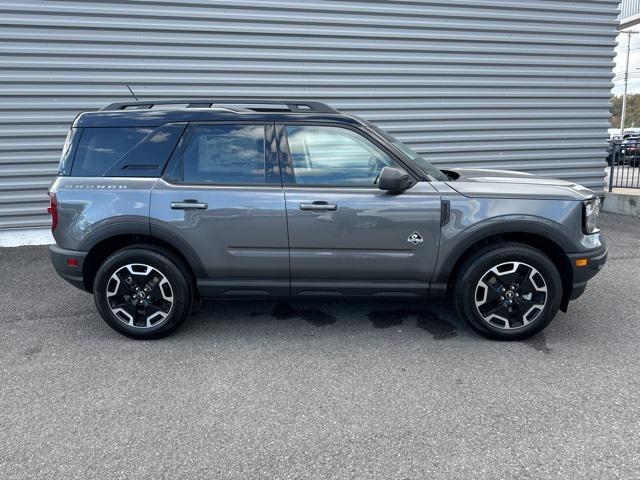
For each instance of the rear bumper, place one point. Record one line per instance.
(60, 258)
(581, 275)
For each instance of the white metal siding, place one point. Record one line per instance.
(494, 83)
(628, 9)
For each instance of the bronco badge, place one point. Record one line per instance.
(415, 238)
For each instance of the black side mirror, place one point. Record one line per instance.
(394, 179)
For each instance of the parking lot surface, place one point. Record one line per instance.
(358, 389)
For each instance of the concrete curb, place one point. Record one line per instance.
(25, 236)
(622, 203)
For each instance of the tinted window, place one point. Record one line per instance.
(424, 165)
(69, 148)
(225, 154)
(100, 148)
(334, 156)
(148, 157)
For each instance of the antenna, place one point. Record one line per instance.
(132, 94)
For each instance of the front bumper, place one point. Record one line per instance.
(72, 273)
(581, 275)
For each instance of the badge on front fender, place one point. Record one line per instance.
(415, 238)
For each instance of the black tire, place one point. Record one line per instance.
(167, 315)
(477, 283)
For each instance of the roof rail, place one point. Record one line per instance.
(294, 106)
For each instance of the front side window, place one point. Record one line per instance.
(225, 154)
(423, 164)
(321, 155)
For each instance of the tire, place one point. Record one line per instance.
(482, 297)
(120, 296)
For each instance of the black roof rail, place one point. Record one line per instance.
(294, 106)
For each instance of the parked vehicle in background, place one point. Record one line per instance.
(623, 165)
(623, 150)
(610, 151)
(630, 147)
(155, 208)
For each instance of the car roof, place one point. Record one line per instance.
(155, 113)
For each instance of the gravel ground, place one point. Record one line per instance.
(319, 390)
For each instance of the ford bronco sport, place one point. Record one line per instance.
(159, 204)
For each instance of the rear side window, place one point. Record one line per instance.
(225, 154)
(100, 148)
(68, 150)
(125, 151)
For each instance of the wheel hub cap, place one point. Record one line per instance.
(511, 295)
(139, 295)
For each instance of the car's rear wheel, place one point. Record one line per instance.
(508, 291)
(142, 292)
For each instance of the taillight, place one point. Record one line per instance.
(53, 210)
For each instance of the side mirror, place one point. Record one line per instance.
(394, 179)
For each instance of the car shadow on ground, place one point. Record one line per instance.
(437, 318)
(240, 318)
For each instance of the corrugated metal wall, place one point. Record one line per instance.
(494, 83)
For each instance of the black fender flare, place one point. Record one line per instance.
(187, 251)
(141, 226)
(518, 224)
(113, 227)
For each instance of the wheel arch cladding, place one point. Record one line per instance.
(551, 247)
(99, 252)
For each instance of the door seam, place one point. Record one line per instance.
(276, 132)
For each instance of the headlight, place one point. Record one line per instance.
(591, 211)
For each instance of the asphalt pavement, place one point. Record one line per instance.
(257, 389)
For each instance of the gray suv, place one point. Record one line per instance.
(160, 204)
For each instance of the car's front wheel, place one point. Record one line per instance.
(508, 291)
(142, 292)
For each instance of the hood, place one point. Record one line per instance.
(476, 182)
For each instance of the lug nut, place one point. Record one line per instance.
(510, 302)
(501, 298)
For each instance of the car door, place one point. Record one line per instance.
(346, 236)
(222, 201)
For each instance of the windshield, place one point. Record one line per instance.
(423, 164)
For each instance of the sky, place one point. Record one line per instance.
(634, 64)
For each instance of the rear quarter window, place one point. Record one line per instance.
(100, 148)
(125, 151)
(68, 151)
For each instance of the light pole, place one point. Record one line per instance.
(626, 81)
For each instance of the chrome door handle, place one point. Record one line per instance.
(321, 206)
(188, 204)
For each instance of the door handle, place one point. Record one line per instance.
(319, 206)
(188, 204)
